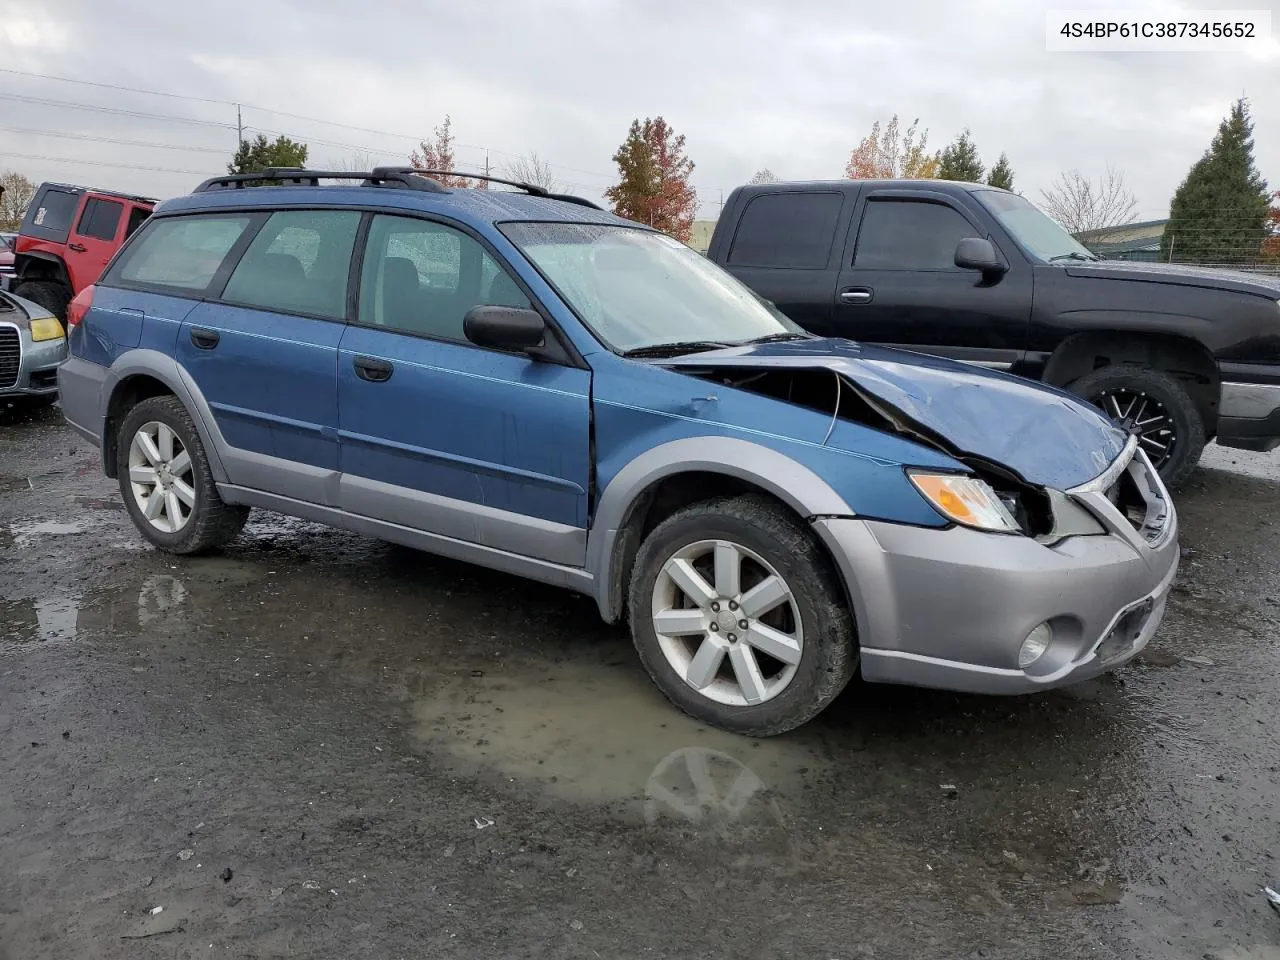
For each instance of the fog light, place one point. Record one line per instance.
(1035, 645)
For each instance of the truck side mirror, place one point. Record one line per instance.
(978, 253)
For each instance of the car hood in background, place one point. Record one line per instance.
(1046, 436)
(1236, 281)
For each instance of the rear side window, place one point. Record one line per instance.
(910, 235)
(49, 218)
(181, 252)
(792, 230)
(100, 219)
(298, 263)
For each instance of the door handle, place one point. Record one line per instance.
(77, 247)
(372, 369)
(204, 339)
(858, 295)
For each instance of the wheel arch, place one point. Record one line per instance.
(665, 478)
(1183, 357)
(40, 265)
(139, 375)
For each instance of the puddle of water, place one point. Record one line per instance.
(27, 532)
(52, 618)
(14, 484)
(591, 733)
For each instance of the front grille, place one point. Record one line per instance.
(10, 356)
(1140, 499)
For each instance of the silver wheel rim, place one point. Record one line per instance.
(160, 477)
(727, 623)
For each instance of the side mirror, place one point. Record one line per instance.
(977, 253)
(505, 328)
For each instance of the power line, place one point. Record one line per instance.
(96, 108)
(127, 143)
(105, 163)
(112, 86)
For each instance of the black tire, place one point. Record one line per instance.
(50, 294)
(212, 522)
(1185, 435)
(828, 656)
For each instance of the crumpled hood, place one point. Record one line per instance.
(1047, 436)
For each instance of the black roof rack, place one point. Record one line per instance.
(299, 176)
(529, 188)
(405, 177)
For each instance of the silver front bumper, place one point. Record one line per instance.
(950, 608)
(35, 374)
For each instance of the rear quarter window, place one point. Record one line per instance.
(181, 253)
(791, 230)
(50, 216)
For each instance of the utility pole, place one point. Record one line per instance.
(239, 127)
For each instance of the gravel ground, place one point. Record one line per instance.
(318, 745)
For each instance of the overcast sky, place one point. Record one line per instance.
(751, 83)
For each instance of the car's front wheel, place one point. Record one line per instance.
(167, 485)
(738, 617)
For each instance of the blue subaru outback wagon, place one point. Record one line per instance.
(526, 382)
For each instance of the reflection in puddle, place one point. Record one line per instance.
(588, 732)
(27, 532)
(157, 596)
(51, 618)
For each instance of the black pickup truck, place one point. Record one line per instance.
(1180, 355)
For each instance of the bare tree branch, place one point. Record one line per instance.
(531, 169)
(16, 194)
(764, 175)
(1081, 206)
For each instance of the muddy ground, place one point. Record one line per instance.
(318, 745)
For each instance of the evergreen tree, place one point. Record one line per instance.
(261, 153)
(1218, 214)
(1001, 174)
(960, 160)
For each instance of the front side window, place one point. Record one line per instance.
(910, 235)
(100, 219)
(790, 230)
(423, 277)
(638, 289)
(1033, 230)
(181, 252)
(298, 263)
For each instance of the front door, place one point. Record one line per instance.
(900, 285)
(440, 435)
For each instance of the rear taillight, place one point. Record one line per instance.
(78, 307)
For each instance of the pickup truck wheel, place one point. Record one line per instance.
(50, 294)
(738, 617)
(1154, 405)
(167, 485)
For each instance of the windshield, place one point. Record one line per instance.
(1035, 232)
(637, 289)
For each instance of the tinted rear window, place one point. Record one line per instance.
(792, 230)
(180, 252)
(49, 218)
(100, 219)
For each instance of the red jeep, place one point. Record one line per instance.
(66, 239)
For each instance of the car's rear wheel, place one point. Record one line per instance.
(1154, 405)
(738, 617)
(166, 482)
(50, 294)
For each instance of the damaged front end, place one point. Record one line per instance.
(1032, 446)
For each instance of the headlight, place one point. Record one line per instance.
(46, 328)
(966, 500)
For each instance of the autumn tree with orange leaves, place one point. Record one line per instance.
(437, 154)
(888, 153)
(653, 179)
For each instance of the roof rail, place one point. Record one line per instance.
(529, 188)
(390, 176)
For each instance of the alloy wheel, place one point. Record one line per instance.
(160, 476)
(1144, 415)
(727, 622)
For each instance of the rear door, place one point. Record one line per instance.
(263, 352)
(96, 236)
(440, 435)
(785, 248)
(900, 285)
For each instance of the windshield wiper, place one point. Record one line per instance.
(675, 347)
(776, 337)
(1075, 256)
